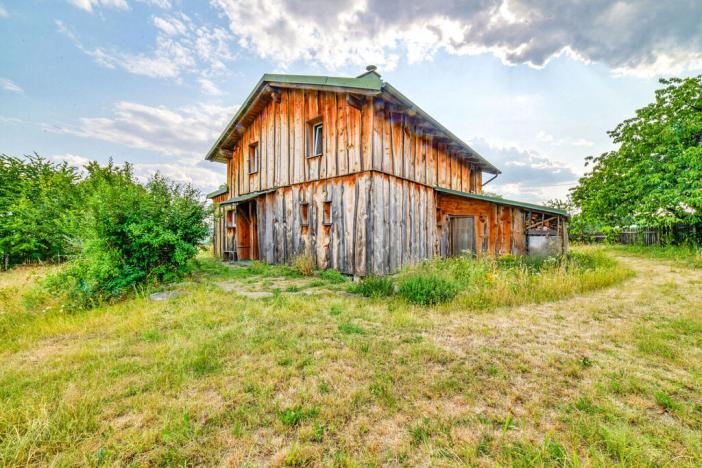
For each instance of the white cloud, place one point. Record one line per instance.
(546, 137)
(181, 47)
(208, 87)
(527, 175)
(165, 4)
(3, 11)
(640, 37)
(10, 120)
(10, 86)
(88, 5)
(183, 132)
(170, 26)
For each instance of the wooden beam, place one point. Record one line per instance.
(355, 101)
(275, 94)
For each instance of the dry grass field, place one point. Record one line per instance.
(316, 376)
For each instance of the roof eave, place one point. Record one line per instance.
(485, 165)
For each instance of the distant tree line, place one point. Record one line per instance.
(654, 178)
(116, 233)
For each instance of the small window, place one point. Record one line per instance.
(304, 214)
(327, 213)
(317, 140)
(315, 137)
(253, 158)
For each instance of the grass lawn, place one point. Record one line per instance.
(315, 375)
(691, 256)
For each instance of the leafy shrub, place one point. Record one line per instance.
(427, 289)
(132, 235)
(304, 264)
(373, 286)
(332, 276)
(38, 202)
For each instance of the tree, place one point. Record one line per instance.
(38, 201)
(655, 177)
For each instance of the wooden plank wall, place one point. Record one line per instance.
(401, 224)
(341, 245)
(379, 223)
(405, 148)
(281, 131)
(381, 137)
(495, 225)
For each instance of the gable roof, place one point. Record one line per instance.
(369, 84)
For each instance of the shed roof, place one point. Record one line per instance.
(503, 201)
(220, 191)
(246, 197)
(369, 83)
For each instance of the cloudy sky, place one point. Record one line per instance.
(533, 85)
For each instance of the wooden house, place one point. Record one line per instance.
(352, 172)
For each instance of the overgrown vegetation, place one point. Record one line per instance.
(304, 264)
(489, 282)
(132, 235)
(213, 378)
(373, 286)
(655, 177)
(39, 203)
(120, 235)
(427, 289)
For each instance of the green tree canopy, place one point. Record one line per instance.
(655, 177)
(38, 199)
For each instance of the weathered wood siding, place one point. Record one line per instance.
(403, 146)
(380, 136)
(499, 230)
(401, 224)
(282, 133)
(340, 244)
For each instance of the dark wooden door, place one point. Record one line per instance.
(462, 234)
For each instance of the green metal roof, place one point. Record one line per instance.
(246, 197)
(368, 82)
(220, 191)
(503, 201)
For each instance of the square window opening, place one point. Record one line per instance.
(304, 214)
(327, 213)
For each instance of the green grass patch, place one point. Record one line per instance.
(427, 289)
(373, 286)
(690, 256)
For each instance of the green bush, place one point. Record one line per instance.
(132, 235)
(38, 202)
(427, 289)
(373, 286)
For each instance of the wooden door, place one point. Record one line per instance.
(246, 231)
(462, 235)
